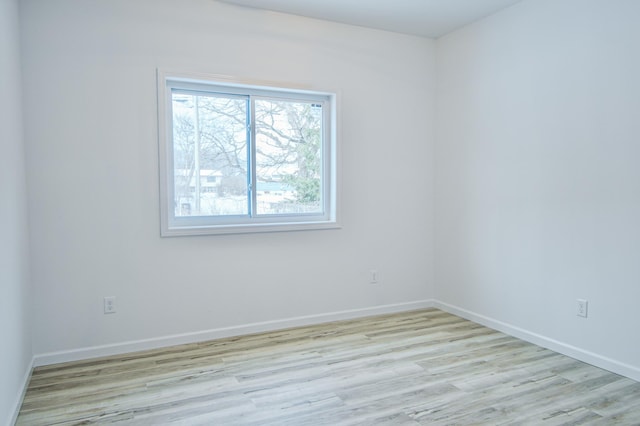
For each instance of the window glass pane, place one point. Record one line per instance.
(288, 156)
(209, 154)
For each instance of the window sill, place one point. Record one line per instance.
(183, 231)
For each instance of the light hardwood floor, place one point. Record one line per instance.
(421, 367)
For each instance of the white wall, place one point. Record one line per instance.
(89, 71)
(538, 176)
(15, 324)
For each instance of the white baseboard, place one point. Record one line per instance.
(218, 333)
(600, 361)
(597, 360)
(23, 390)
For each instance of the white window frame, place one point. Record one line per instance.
(211, 225)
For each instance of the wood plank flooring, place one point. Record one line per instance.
(424, 367)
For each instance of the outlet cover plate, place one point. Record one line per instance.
(110, 305)
(582, 308)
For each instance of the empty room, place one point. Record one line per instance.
(341, 212)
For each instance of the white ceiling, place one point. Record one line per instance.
(427, 18)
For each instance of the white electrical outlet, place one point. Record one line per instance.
(582, 308)
(110, 305)
(373, 276)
